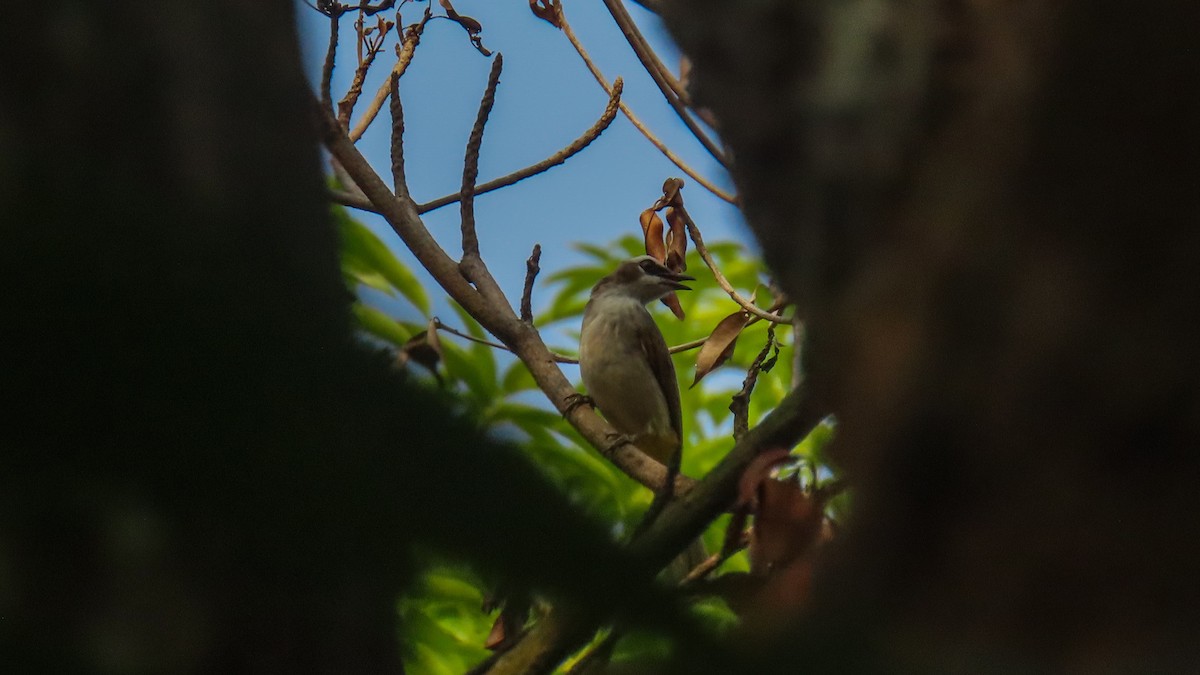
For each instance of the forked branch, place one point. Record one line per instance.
(552, 11)
(670, 88)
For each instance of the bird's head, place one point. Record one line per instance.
(642, 278)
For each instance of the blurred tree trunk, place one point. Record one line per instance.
(990, 212)
(201, 470)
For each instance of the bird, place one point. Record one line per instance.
(624, 360)
(627, 370)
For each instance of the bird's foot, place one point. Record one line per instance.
(615, 440)
(574, 401)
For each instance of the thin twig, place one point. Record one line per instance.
(730, 547)
(658, 72)
(345, 107)
(610, 111)
(706, 256)
(531, 272)
(330, 56)
(470, 240)
(404, 56)
(558, 358)
(399, 181)
(662, 147)
(740, 405)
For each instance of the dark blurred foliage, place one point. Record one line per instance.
(202, 469)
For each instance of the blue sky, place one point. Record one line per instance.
(545, 100)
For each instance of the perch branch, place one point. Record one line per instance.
(671, 91)
(610, 111)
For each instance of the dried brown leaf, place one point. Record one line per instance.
(652, 229)
(546, 10)
(469, 24)
(676, 241)
(720, 344)
(670, 196)
(425, 348)
(672, 302)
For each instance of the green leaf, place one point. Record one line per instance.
(473, 371)
(517, 378)
(368, 259)
(380, 325)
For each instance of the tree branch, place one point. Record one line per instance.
(610, 112)
(531, 272)
(399, 181)
(670, 89)
(706, 256)
(470, 241)
(404, 55)
(345, 107)
(556, 8)
(327, 66)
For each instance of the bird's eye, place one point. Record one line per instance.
(649, 266)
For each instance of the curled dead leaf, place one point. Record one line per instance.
(676, 241)
(652, 230)
(670, 196)
(672, 302)
(719, 346)
(425, 349)
(546, 10)
(469, 24)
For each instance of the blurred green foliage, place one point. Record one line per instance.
(444, 627)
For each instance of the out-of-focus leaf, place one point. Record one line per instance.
(517, 378)
(813, 446)
(379, 324)
(368, 259)
(720, 344)
(450, 586)
(483, 355)
(601, 253)
(462, 366)
(444, 628)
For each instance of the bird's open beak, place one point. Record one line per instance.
(674, 278)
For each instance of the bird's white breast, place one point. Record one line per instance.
(615, 369)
